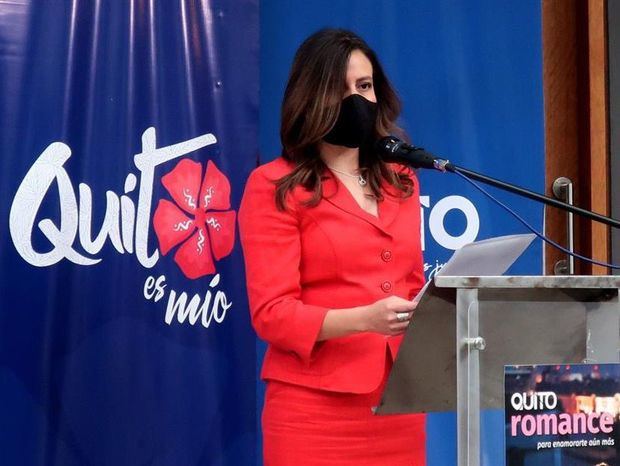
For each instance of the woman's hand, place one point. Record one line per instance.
(388, 316)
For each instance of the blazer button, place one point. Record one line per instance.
(386, 286)
(386, 255)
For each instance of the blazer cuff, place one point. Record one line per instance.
(308, 325)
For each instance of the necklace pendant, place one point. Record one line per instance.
(361, 180)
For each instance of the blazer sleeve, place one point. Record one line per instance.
(272, 252)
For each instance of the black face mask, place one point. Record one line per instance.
(355, 123)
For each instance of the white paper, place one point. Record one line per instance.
(489, 257)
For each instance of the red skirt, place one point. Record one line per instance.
(309, 427)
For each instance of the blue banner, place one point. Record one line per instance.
(128, 131)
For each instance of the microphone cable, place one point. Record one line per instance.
(530, 227)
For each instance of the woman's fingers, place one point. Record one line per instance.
(398, 329)
(402, 305)
(392, 315)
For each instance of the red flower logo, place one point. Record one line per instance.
(208, 231)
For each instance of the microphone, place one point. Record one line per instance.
(392, 149)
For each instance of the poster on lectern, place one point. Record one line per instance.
(565, 414)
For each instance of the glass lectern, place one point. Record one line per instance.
(466, 329)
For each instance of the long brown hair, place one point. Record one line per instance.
(311, 106)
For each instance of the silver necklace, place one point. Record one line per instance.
(360, 179)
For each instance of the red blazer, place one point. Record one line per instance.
(304, 261)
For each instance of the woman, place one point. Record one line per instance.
(330, 235)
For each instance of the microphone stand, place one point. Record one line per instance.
(444, 165)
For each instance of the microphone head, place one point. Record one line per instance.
(392, 149)
(388, 145)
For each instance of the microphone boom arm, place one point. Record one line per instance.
(393, 149)
(447, 166)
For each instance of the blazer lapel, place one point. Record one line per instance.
(388, 210)
(337, 194)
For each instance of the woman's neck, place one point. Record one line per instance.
(342, 158)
